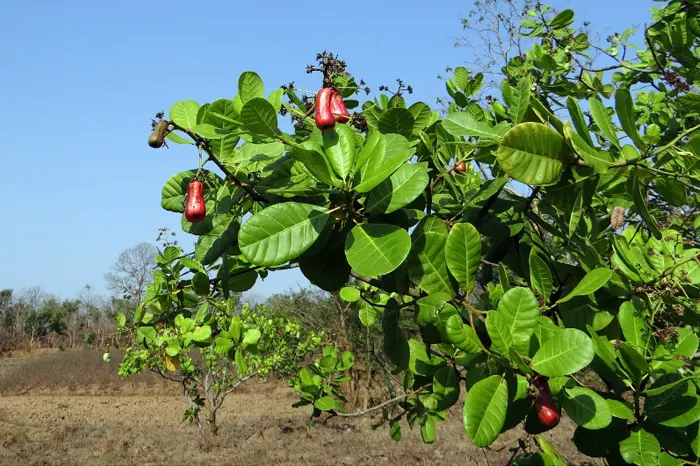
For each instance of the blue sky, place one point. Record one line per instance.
(81, 80)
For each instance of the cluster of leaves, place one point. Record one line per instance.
(210, 346)
(323, 388)
(596, 268)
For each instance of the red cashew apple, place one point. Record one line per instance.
(340, 113)
(325, 120)
(547, 411)
(195, 207)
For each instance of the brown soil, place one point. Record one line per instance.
(82, 414)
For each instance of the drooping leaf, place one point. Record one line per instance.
(375, 249)
(281, 232)
(485, 410)
(532, 153)
(578, 120)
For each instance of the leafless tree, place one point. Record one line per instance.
(131, 273)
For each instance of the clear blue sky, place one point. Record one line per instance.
(81, 80)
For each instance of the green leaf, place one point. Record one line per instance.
(400, 189)
(427, 431)
(383, 155)
(640, 448)
(624, 105)
(540, 275)
(367, 314)
(586, 408)
(602, 119)
(520, 311)
(578, 120)
(686, 344)
(200, 283)
(520, 100)
(395, 344)
(396, 120)
(211, 246)
(633, 324)
(485, 410)
(563, 19)
(310, 154)
(497, 328)
(375, 249)
(184, 113)
(568, 351)
(620, 410)
(250, 86)
(461, 124)
(349, 294)
(532, 153)
(462, 336)
(281, 232)
(598, 160)
(201, 334)
(690, 102)
(325, 403)
(260, 117)
(446, 386)
(463, 254)
(395, 430)
(339, 146)
(427, 265)
(222, 345)
(679, 412)
(251, 337)
(593, 280)
(640, 203)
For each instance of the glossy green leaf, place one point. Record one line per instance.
(532, 153)
(603, 120)
(568, 351)
(310, 154)
(620, 410)
(624, 105)
(640, 448)
(520, 100)
(485, 410)
(593, 280)
(520, 310)
(281, 232)
(325, 403)
(184, 113)
(461, 124)
(211, 246)
(461, 335)
(599, 160)
(400, 189)
(633, 323)
(383, 155)
(350, 294)
(586, 408)
(396, 120)
(375, 249)
(578, 120)
(463, 254)
(339, 147)
(427, 264)
(260, 117)
(540, 275)
(367, 314)
(250, 86)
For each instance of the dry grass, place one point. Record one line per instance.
(54, 420)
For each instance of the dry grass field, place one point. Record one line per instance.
(70, 408)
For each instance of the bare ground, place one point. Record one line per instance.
(72, 409)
